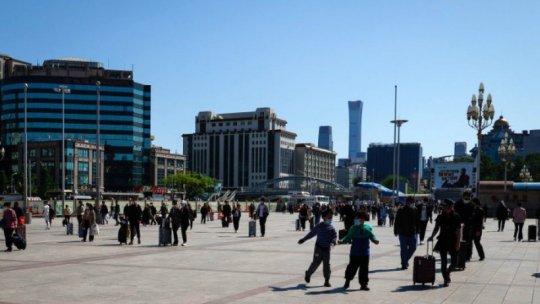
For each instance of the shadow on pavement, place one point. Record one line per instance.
(536, 275)
(385, 270)
(420, 287)
(297, 287)
(330, 291)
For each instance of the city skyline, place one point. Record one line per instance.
(305, 60)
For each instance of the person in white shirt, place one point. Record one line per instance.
(46, 217)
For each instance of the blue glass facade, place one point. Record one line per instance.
(355, 131)
(124, 120)
(325, 138)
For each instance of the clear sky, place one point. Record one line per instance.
(305, 59)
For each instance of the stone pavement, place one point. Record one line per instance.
(220, 266)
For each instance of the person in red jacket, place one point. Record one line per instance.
(9, 224)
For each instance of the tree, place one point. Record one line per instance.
(356, 180)
(46, 182)
(193, 183)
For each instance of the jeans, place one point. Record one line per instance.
(408, 247)
(236, 223)
(476, 238)
(518, 228)
(501, 225)
(134, 226)
(262, 223)
(184, 233)
(355, 263)
(320, 255)
(90, 235)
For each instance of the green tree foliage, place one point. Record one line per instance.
(46, 182)
(491, 170)
(194, 184)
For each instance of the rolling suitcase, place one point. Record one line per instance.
(462, 256)
(123, 233)
(424, 267)
(19, 242)
(81, 231)
(252, 228)
(297, 225)
(69, 228)
(531, 233)
(165, 233)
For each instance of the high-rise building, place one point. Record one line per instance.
(124, 113)
(325, 138)
(164, 163)
(355, 131)
(380, 162)
(460, 149)
(240, 149)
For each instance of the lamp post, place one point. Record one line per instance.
(25, 146)
(397, 123)
(98, 151)
(525, 175)
(506, 150)
(480, 117)
(63, 89)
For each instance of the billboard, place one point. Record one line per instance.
(453, 175)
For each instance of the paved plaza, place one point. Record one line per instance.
(220, 266)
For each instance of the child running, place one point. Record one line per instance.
(360, 234)
(326, 238)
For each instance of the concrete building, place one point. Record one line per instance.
(355, 132)
(124, 113)
(460, 149)
(312, 161)
(325, 138)
(345, 176)
(164, 163)
(380, 162)
(45, 165)
(240, 149)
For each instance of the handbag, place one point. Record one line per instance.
(94, 229)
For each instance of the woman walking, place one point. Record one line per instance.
(236, 214)
(502, 215)
(89, 222)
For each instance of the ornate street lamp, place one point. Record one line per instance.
(525, 175)
(506, 151)
(479, 117)
(63, 89)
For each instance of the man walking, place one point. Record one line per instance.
(46, 215)
(478, 226)
(326, 238)
(465, 209)
(405, 228)
(424, 213)
(133, 214)
(9, 221)
(79, 212)
(174, 216)
(262, 214)
(185, 218)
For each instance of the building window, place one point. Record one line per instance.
(161, 161)
(47, 152)
(32, 153)
(83, 153)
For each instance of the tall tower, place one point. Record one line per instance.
(325, 138)
(355, 131)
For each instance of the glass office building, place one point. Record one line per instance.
(325, 138)
(124, 113)
(355, 131)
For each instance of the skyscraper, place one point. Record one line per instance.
(460, 148)
(355, 131)
(325, 138)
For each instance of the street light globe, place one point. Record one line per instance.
(481, 88)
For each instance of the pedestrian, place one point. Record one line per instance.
(465, 209)
(303, 216)
(347, 212)
(153, 212)
(79, 212)
(383, 213)
(236, 214)
(478, 226)
(9, 223)
(204, 212)
(262, 214)
(251, 210)
(227, 212)
(104, 212)
(326, 239)
(133, 213)
(424, 213)
(191, 215)
(185, 217)
(175, 219)
(67, 214)
(502, 215)
(146, 214)
(405, 228)
(88, 222)
(116, 212)
(163, 210)
(360, 234)
(46, 215)
(316, 211)
(392, 214)
(448, 225)
(519, 215)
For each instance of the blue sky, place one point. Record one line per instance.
(305, 59)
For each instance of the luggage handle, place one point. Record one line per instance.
(432, 247)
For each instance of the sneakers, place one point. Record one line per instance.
(184, 244)
(307, 278)
(364, 287)
(346, 285)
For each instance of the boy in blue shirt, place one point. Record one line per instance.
(326, 238)
(360, 234)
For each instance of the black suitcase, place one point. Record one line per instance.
(424, 267)
(531, 233)
(123, 234)
(165, 234)
(462, 256)
(69, 228)
(19, 242)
